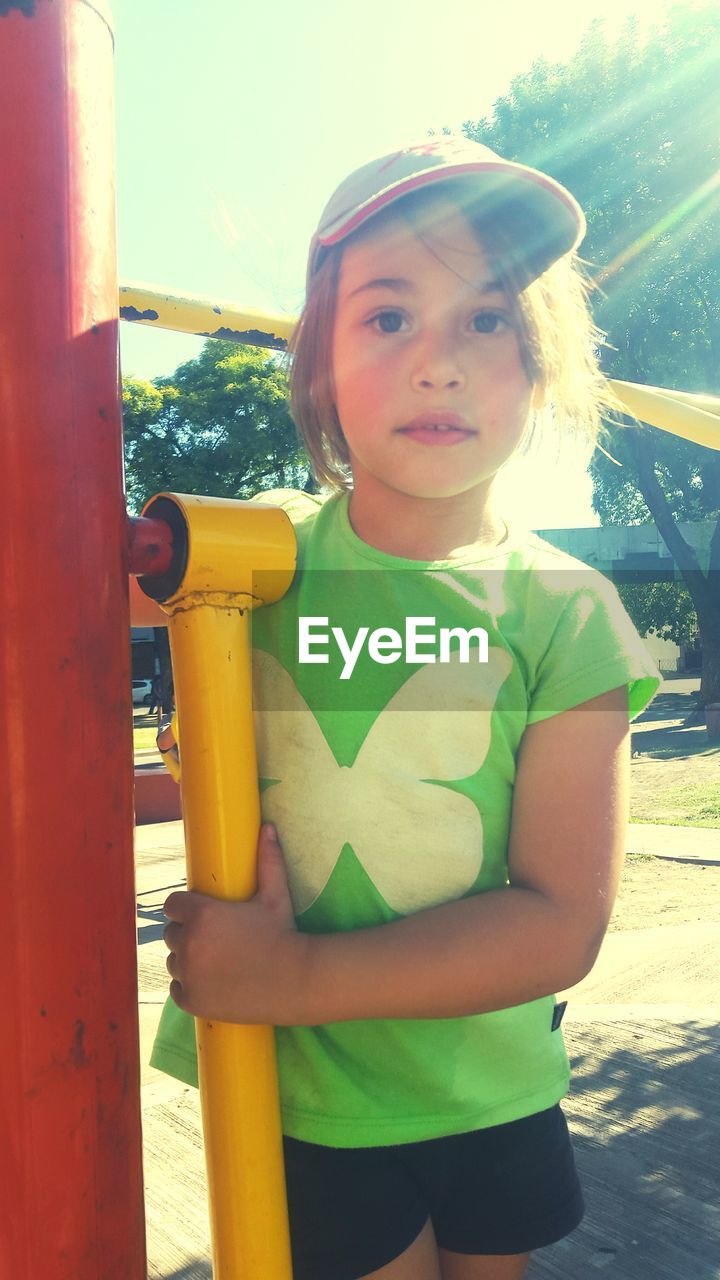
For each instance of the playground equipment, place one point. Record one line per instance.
(70, 1151)
(681, 413)
(69, 1081)
(227, 558)
(163, 310)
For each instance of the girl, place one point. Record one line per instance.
(442, 708)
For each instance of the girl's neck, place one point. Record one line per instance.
(427, 528)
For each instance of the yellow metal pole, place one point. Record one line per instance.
(161, 309)
(228, 558)
(681, 413)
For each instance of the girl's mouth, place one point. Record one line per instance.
(443, 429)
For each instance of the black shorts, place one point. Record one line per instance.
(505, 1190)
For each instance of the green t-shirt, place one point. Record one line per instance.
(390, 780)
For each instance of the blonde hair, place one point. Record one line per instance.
(559, 341)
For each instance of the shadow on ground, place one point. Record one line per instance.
(686, 735)
(646, 1131)
(154, 930)
(142, 719)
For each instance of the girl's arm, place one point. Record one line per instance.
(507, 946)
(539, 935)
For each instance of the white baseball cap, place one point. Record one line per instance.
(554, 223)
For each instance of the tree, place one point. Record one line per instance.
(634, 131)
(664, 609)
(220, 425)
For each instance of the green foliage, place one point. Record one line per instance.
(664, 609)
(634, 131)
(220, 425)
(688, 474)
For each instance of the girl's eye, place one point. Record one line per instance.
(489, 322)
(387, 321)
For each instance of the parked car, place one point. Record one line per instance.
(141, 693)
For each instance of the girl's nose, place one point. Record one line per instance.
(437, 367)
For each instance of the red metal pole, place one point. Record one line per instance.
(70, 1153)
(150, 546)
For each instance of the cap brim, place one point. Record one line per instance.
(554, 225)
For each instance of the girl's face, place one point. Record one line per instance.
(430, 387)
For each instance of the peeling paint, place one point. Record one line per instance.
(132, 313)
(229, 600)
(253, 337)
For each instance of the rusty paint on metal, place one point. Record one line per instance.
(219, 320)
(230, 601)
(132, 313)
(252, 337)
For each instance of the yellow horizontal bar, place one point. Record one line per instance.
(203, 317)
(681, 413)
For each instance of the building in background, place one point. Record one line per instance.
(627, 552)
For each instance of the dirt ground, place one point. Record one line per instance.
(675, 765)
(654, 891)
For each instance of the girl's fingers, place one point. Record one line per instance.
(171, 934)
(179, 905)
(176, 993)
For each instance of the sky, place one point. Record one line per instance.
(236, 121)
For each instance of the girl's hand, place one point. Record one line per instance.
(239, 961)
